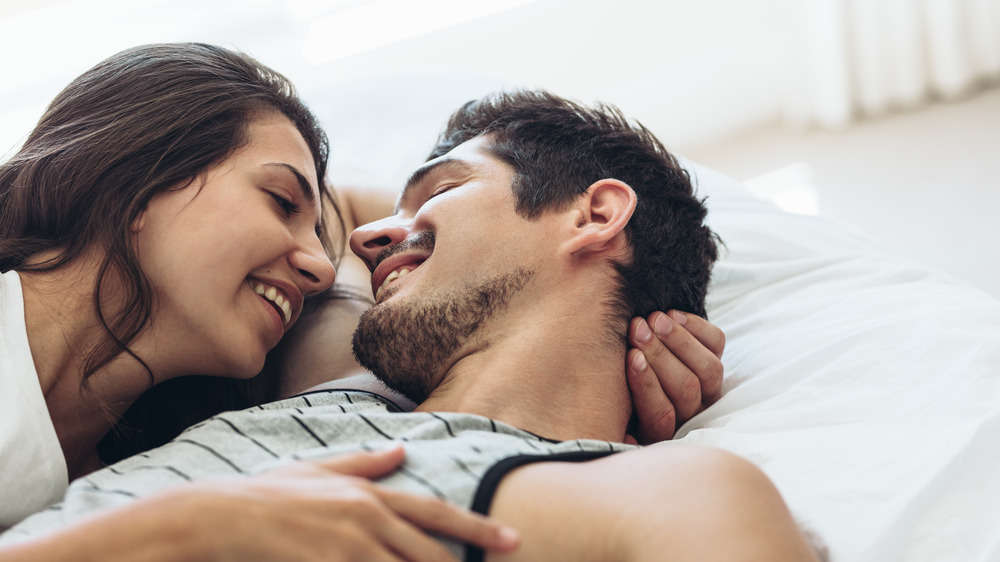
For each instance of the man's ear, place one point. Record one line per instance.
(601, 215)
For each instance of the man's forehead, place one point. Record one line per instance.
(469, 153)
(465, 159)
(446, 164)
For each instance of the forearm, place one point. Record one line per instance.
(158, 530)
(360, 206)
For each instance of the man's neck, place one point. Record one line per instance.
(551, 375)
(557, 369)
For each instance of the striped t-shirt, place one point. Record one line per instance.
(457, 457)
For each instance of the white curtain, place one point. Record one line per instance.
(863, 58)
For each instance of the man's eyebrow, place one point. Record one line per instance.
(307, 190)
(449, 165)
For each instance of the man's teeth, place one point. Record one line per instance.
(272, 294)
(392, 277)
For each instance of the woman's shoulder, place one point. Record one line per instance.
(29, 447)
(10, 288)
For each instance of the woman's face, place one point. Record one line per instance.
(231, 256)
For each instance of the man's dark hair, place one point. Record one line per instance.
(559, 148)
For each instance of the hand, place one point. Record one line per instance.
(308, 510)
(674, 375)
(330, 510)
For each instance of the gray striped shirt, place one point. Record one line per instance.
(448, 455)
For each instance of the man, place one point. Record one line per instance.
(503, 283)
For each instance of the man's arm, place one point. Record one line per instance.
(664, 502)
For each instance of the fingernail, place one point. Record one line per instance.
(639, 363)
(642, 333)
(679, 317)
(662, 325)
(509, 536)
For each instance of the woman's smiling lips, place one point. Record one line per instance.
(279, 297)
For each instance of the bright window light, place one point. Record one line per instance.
(789, 187)
(383, 22)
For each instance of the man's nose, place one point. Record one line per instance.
(370, 239)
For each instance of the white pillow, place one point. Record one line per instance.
(864, 384)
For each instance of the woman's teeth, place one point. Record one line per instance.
(272, 294)
(392, 277)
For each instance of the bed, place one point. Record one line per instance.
(865, 385)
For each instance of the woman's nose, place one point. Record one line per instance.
(315, 269)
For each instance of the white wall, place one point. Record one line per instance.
(691, 71)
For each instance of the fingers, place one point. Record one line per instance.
(401, 521)
(410, 543)
(680, 352)
(698, 344)
(704, 331)
(656, 413)
(437, 516)
(674, 372)
(691, 352)
(331, 509)
(367, 464)
(679, 383)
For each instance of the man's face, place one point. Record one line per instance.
(445, 269)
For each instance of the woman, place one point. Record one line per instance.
(162, 220)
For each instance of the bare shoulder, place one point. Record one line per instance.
(317, 349)
(665, 501)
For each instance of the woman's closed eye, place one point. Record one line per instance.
(287, 206)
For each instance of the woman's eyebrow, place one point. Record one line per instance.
(307, 190)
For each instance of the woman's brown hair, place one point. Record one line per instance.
(145, 120)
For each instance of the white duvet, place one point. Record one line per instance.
(865, 385)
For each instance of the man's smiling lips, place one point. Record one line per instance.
(392, 268)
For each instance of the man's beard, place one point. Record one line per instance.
(408, 345)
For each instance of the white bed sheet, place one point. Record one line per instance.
(864, 384)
